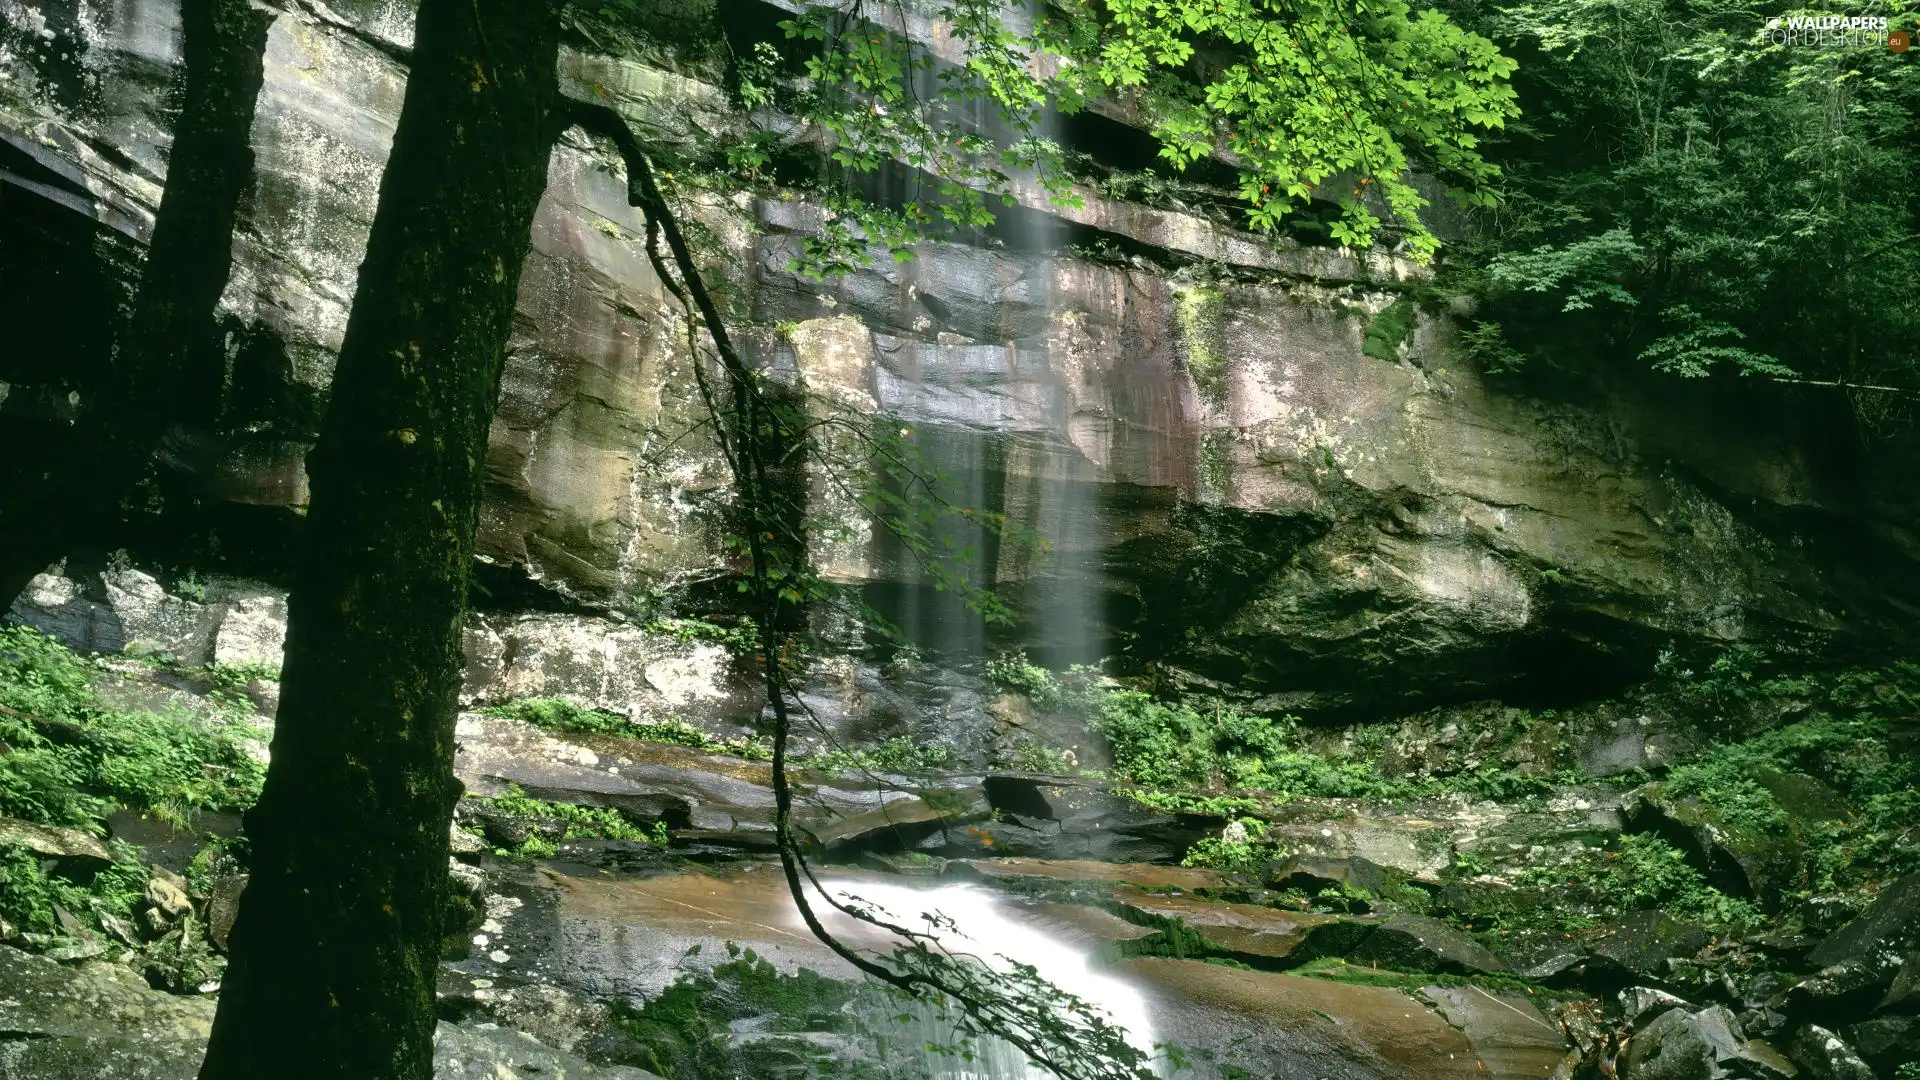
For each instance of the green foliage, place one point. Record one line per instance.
(233, 678)
(71, 761)
(560, 714)
(1219, 853)
(1848, 748)
(1390, 329)
(1644, 873)
(31, 890)
(899, 754)
(1184, 755)
(742, 639)
(1330, 102)
(1322, 100)
(565, 821)
(1694, 197)
(1015, 672)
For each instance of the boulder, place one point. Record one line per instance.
(98, 1021)
(59, 607)
(1310, 874)
(1886, 1042)
(1641, 1005)
(55, 842)
(1904, 994)
(1058, 817)
(1827, 1056)
(1415, 943)
(1640, 946)
(1738, 859)
(1836, 991)
(1881, 938)
(253, 631)
(1700, 1045)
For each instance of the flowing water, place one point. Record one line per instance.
(980, 926)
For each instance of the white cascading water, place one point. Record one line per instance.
(983, 927)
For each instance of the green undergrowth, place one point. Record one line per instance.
(899, 754)
(554, 823)
(1833, 779)
(559, 714)
(69, 760)
(1642, 872)
(1210, 757)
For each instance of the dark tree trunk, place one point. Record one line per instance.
(339, 931)
(170, 334)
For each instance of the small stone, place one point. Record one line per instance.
(167, 891)
(119, 929)
(499, 956)
(1639, 1005)
(462, 842)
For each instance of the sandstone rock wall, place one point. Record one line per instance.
(1231, 489)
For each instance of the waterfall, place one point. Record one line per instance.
(983, 927)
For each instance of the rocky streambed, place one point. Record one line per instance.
(622, 916)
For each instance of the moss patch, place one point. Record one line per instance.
(1199, 312)
(1389, 330)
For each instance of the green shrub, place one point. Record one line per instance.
(559, 714)
(1644, 873)
(1218, 853)
(899, 754)
(1016, 672)
(576, 823)
(72, 761)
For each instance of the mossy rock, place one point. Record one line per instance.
(1412, 943)
(1740, 858)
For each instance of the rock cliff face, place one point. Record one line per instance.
(1232, 489)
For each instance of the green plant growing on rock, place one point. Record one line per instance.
(1246, 849)
(1645, 872)
(73, 760)
(1017, 673)
(899, 754)
(554, 822)
(1390, 329)
(561, 714)
(1199, 312)
(743, 638)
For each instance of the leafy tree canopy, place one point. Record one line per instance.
(1694, 194)
(1332, 99)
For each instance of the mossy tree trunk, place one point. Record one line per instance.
(169, 338)
(339, 931)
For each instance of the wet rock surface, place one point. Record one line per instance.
(1410, 517)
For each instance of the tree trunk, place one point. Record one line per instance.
(339, 931)
(171, 329)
